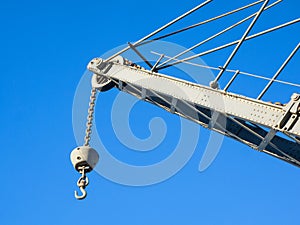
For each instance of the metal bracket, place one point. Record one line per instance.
(214, 118)
(267, 139)
(173, 105)
(120, 84)
(144, 93)
(291, 115)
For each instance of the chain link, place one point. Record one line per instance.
(90, 117)
(83, 181)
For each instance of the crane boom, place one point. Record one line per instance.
(270, 128)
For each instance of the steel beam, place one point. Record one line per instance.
(251, 121)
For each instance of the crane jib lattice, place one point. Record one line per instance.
(273, 128)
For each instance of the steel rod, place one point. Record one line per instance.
(140, 55)
(233, 43)
(216, 35)
(160, 29)
(155, 65)
(241, 40)
(270, 143)
(266, 78)
(278, 71)
(203, 22)
(231, 80)
(233, 71)
(292, 137)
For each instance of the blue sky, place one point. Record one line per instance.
(44, 50)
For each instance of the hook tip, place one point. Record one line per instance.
(80, 197)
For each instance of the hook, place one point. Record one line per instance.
(82, 182)
(80, 197)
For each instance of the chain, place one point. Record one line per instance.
(90, 117)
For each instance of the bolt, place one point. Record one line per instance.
(295, 96)
(214, 84)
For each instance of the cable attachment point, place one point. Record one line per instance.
(82, 182)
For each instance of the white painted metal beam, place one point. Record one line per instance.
(243, 116)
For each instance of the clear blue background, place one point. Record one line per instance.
(44, 49)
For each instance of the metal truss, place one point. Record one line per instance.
(251, 121)
(266, 127)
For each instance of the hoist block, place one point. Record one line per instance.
(84, 156)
